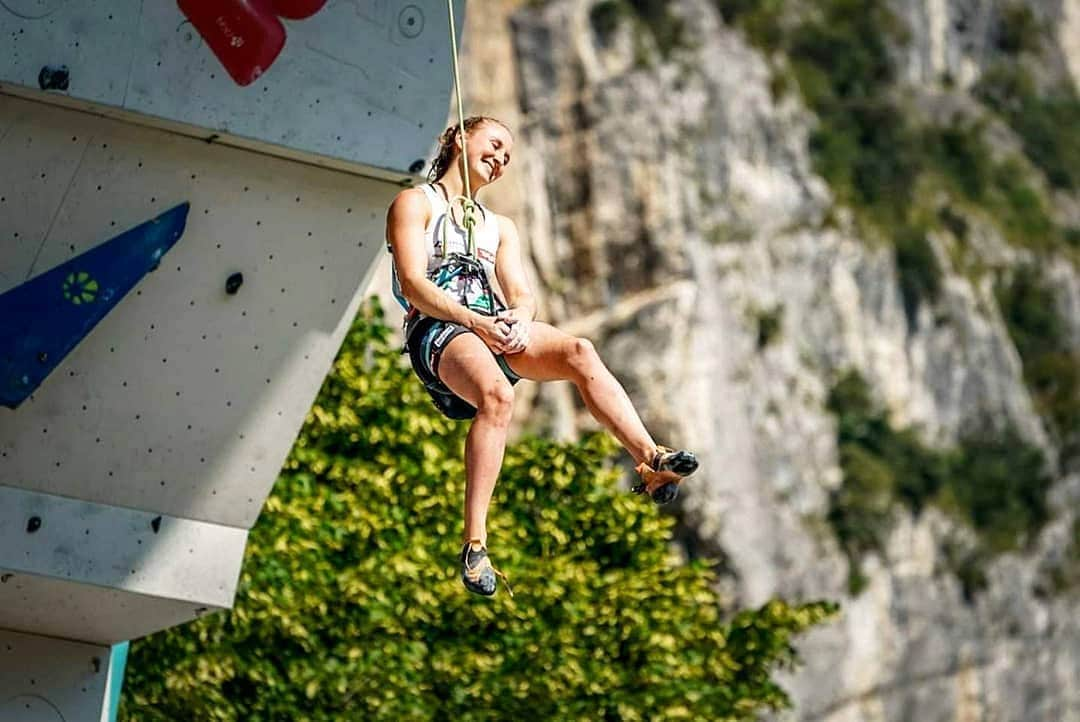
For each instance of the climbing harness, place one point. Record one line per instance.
(462, 274)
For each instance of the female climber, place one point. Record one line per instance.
(471, 334)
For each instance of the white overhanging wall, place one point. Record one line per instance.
(362, 84)
(130, 476)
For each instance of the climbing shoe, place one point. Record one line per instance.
(477, 573)
(661, 477)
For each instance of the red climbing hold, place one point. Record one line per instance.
(298, 9)
(245, 35)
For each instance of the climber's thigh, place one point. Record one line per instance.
(469, 369)
(554, 355)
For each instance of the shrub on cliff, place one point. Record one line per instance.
(991, 480)
(1051, 365)
(1046, 121)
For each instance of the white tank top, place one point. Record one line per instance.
(442, 230)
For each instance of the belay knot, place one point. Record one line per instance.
(468, 218)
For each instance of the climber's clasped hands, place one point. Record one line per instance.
(514, 325)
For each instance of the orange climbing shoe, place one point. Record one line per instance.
(661, 478)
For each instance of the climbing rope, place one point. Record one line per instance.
(468, 205)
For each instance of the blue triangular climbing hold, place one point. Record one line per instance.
(43, 319)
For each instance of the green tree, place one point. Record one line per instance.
(349, 607)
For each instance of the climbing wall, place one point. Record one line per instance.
(362, 83)
(131, 475)
(35, 665)
(180, 258)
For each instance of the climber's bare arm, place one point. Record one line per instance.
(510, 269)
(511, 272)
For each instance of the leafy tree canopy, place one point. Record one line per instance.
(349, 606)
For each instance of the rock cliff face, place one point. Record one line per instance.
(671, 211)
(955, 38)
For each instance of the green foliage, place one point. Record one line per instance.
(760, 19)
(953, 222)
(1021, 211)
(869, 153)
(1047, 123)
(604, 17)
(1071, 237)
(998, 485)
(846, 41)
(1051, 367)
(1018, 30)
(863, 145)
(349, 606)
(665, 27)
(918, 268)
(873, 153)
(969, 565)
(880, 466)
(1030, 311)
(992, 481)
(651, 17)
(958, 153)
(861, 510)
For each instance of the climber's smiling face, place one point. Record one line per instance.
(489, 147)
